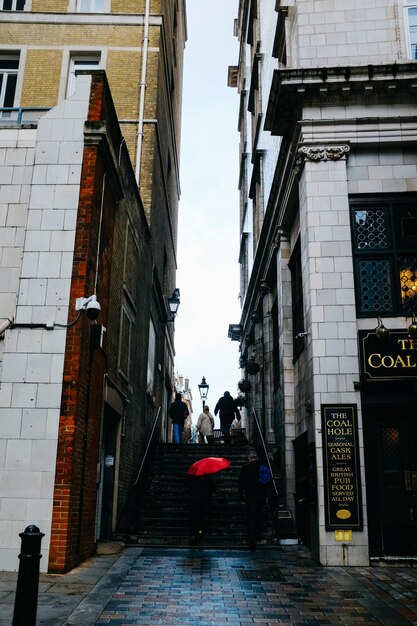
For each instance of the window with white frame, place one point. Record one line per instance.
(92, 6)
(411, 18)
(151, 358)
(80, 62)
(12, 5)
(9, 67)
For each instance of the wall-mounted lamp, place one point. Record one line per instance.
(90, 305)
(203, 388)
(174, 303)
(381, 331)
(412, 329)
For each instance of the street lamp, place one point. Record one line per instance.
(203, 388)
(174, 303)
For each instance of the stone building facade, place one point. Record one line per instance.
(90, 106)
(328, 255)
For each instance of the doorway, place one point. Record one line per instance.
(391, 477)
(109, 463)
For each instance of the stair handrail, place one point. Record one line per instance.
(265, 450)
(148, 446)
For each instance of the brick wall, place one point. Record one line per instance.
(41, 80)
(50, 6)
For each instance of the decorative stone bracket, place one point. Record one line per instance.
(320, 153)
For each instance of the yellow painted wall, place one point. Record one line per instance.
(135, 6)
(50, 6)
(41, 79)
(86, 35)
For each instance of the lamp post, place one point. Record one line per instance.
(174, 303)
(203, 388)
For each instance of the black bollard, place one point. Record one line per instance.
(26, 601)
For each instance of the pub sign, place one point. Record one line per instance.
(342, 483)
(393, 358)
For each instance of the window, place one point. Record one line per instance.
(297, 301)
(9, 66)
(151, 358)
(384, 240)
(87, 62)
(131, 264)
(125, 341)
(411, 17)
(91, 6)
(12, 5)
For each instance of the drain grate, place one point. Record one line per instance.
(270, 574)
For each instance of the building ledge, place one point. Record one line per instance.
(293, 88)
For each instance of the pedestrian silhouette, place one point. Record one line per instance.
(253, 487)
(227, 409)
(178, 412)
(205, 425)
(200, 492)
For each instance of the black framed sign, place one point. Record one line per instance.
(342, 484)
(394, 358)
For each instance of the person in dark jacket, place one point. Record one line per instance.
(228, 410)
(252, 494)
(178, 412)
(200, 492)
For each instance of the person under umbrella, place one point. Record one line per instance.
(201, 489)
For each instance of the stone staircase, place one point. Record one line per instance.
(160, 511)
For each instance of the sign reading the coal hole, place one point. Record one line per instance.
(343, 502)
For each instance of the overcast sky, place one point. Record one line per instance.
(208, 242)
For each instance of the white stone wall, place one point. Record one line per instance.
(31, 380)
(16, 167)
(329, 304)
(336, 32)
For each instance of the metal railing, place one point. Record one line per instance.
(148, 445)
(265, 451)
(235, 434)
(21, 116)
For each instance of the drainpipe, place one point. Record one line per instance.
(142, 91)
(5, 325)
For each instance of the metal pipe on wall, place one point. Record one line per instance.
(142, 92)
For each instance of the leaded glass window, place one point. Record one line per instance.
(384, 240)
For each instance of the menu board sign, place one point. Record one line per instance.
(343, 502)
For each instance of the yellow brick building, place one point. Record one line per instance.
(50, 39)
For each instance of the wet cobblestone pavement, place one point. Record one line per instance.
(264, 588)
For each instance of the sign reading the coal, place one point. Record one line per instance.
(343, 502)
(392, 358)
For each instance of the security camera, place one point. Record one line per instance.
(93, 309)
(90, 305)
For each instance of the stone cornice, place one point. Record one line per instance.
(292, 89)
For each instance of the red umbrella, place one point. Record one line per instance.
(208, 465)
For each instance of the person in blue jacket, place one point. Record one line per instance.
(178, 412)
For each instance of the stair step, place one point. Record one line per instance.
(159, 512)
